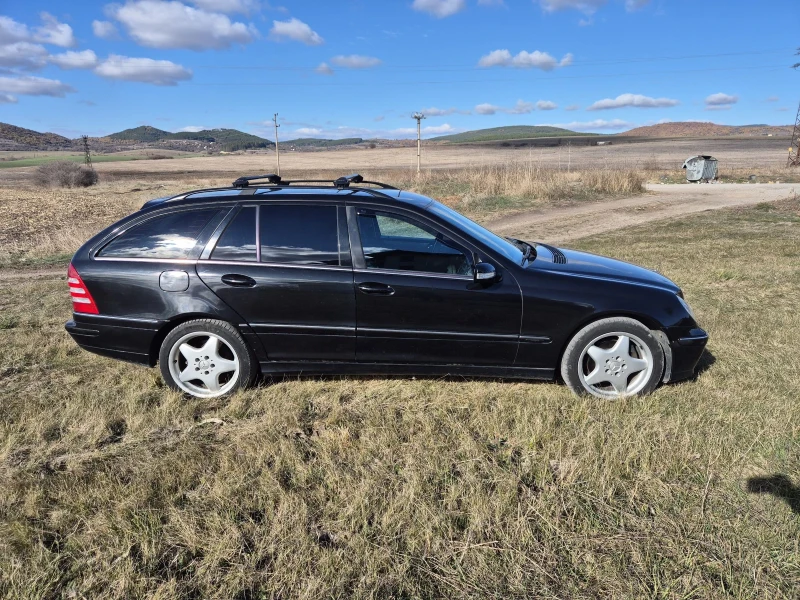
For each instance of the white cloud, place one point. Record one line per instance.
(104, 29)
(34, 86)
(572, 107)
(7, 99)
(228, 6)
(439, 8)
(143, 70)
(596, 125)
(438, 129)
(295, 29)
(324, 69)
(355, 61)
(524, 60)
(491, 3)
(11, 31)
(633, 5)
(773, 99)
(398, 133)
(75, 60)
(170, 24)
(193, 128)
(308, 131)
(486, 109)
(720, 99)
(632, 100)
(585, 22)
(442, 112)
(520, 108)
(23, 55)
(53, 32)
(585, 6)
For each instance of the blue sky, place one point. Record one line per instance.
(360, 68)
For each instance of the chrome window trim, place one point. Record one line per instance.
(273, 265)
(415, 274)
(175, 261)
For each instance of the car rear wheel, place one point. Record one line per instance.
(613, 358)
(206, 358)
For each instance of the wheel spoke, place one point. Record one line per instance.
(597, 376)
(623, 347)
(211, 381)
(598, 354)
(188, 374)
(189, 352)
(635, 365)
(211, 348)
(223, 365)
(620, 383)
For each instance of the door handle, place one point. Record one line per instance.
(376, 289)
(235, 280)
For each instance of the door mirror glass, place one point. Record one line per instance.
(484, 272)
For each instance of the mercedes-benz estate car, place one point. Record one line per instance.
(276, 277)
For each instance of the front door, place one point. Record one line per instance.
(416, 300)
(283, 268)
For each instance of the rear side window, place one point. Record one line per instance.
(238, 242)
(299, 235)
(168, 236)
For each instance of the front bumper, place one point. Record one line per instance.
(686, 352)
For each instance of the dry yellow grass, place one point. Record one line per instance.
(112, 486)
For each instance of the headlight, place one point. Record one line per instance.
(687, 307)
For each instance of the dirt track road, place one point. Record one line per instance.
(557, 225)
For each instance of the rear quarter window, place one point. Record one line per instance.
(170, 236)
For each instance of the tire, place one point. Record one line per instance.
(597, 363)
(219, 358)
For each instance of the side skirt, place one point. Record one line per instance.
(354, 368)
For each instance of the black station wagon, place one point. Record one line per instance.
(307, 277)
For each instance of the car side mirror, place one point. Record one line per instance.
(484, 272)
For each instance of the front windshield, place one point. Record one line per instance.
(486, 237)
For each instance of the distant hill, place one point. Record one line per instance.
(320, 142)
(229, 140)
(19, 138)
(513, 132)
(145, 133)
(707, 130)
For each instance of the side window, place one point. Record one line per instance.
(398, 243)
(172, 235)
(299, 235)
(238, 241)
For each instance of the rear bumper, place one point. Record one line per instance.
(122, 339)
(686, 352)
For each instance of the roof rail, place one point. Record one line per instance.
(243, 182)
(341, 182)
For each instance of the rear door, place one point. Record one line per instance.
(416, 299)
(286, 269)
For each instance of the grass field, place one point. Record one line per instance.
(112, 486)
(11, 160)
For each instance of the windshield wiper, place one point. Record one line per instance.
(528, 250)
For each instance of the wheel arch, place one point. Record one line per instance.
(646, 320)
(163, 332)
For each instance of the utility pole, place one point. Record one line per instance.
(418, 116)
(277, 152)
(794, 149)
(87, 154)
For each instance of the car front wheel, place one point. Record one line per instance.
(613, 358)
(206, 358)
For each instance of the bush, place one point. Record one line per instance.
(65, 173)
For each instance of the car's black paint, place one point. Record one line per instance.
(350, 318)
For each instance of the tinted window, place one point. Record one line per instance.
(300, 235)
(238, 242)
(169, 236)
(397, 243)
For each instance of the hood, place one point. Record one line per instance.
(586, 264)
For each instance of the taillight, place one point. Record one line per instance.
(82, 301)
